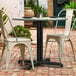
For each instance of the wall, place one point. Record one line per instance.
(44, 3)
(14, 8)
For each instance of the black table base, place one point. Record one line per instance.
(45, 63)
(40, 61)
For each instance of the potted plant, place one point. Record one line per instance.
(28, 5)
(28, 12)
(38, 10)
(21, 32)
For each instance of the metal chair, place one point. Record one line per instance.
(10, 42)
(61, 38)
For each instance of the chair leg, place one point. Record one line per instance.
(46, 46)
(60, 47)
(30, 51)
(2, 53)
(22, 49)
(8, 55)
(72, 48)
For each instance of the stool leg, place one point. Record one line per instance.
(60, 47)
(72, 48)
(22, 49)
(46, 46)
(2, 53)
(30, 51)
(8, 55)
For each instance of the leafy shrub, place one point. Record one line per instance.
(72, 5)
(20, 32)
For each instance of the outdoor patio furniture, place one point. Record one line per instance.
(40, 60)
(60, 38)
(10, 42)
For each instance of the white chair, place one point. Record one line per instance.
(60, 38)
(11, 42)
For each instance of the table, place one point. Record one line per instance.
(40, 61)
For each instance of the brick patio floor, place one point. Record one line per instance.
(69, 68)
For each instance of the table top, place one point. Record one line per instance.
(39, 19)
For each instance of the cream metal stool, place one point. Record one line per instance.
(11, 42)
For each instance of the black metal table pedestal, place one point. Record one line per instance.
(40, 61)
(45, 63)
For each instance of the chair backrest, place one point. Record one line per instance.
(68, 22)
(69, 15)
(3, 29)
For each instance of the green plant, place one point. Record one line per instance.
(72, 5)
(44, 11)
(38, 8)
(20, 32)
(29, 3)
